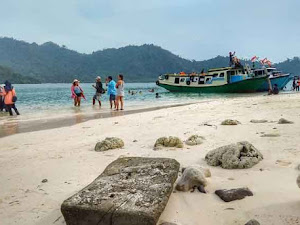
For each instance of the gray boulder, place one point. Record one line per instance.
(130, 191)
(235, 156)
(252, 222)
(193, 177)
(230, 122)
(233, 194)
(284, 121)
(109, 143)
(195, 140)
(168, 142)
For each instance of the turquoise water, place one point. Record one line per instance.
(40, 101)
(36, 101)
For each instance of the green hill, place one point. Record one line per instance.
(16, 78)
(52, 63)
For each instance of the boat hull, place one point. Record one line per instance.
(244, 86)
(281, 81)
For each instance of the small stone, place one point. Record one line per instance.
(193, 177)
(168, 142)
(109, 143)
(258, 121)
(252, 222)
(44, 181)
(230, 178)
(284, 121)
(230, 122)
(270, 135)
(233, 194)
(134, 141)
(195, 140)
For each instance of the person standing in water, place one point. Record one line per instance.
(111, 91)
(99, 91)
(10, 98)
(77, 92)
(120, 92)
(1, 98)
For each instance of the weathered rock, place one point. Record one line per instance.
(270, 135)
(233, 194)
(298, 181)
(230, 122)
(130, 191)
(109, 143)
(235, 156)
(252, 222)
(195, 140)
(168, 142)
(258, 121)
(44, 180)
(284, 121)
(193, 177)
(167, 223)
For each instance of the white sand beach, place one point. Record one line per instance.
(66, 158)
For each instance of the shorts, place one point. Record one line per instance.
(112, 97)
(97, 96)
(78, 94)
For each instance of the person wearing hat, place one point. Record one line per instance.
(99, 91)
(77, 92)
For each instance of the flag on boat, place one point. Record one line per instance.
(263, 61)
(254, 58)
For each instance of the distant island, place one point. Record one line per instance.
(22, 62)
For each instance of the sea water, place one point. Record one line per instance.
(40, 101)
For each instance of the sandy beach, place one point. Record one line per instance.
(66, 158)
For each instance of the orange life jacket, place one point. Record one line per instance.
(8, 99)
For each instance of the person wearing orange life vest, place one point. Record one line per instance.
(10, 97)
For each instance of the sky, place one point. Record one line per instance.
(192, 29)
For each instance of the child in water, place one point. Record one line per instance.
(10, 98)
(77, 93)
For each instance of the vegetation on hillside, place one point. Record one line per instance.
(16, 78)
(50, 62)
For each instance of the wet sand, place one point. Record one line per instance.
(15, 127)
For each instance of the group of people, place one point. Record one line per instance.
(8, 98)
(115, 91)
(296, 84)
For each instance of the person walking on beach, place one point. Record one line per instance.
(99, 91)
(10, 98)
(77, 93)
(120, 92)
(294, 84)
(111, 91)
(298, 85)
(1, 98)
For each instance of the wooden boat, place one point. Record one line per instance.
(219, 80)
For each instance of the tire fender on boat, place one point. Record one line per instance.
(157, 82)
(188, 82)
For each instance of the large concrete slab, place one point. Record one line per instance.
(130, 191)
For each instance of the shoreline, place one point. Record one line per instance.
(16, 127)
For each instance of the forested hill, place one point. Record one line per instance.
(16, 78)
(52, 63)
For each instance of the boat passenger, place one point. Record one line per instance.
(10, 98)
(231, 55)
(298, 84)
(111, 91)
(77, 92)
(157, 95)
(120, 92)
(294, 84)
(99, 91)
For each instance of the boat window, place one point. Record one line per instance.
(221, 75)
(166, 77)
(201, 80)
(215, 75)
(182, 79)
(176, 80)
(232, 72)
(260, 72)
(207, 80)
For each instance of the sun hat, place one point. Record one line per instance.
(98, 78)
(75, 80)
